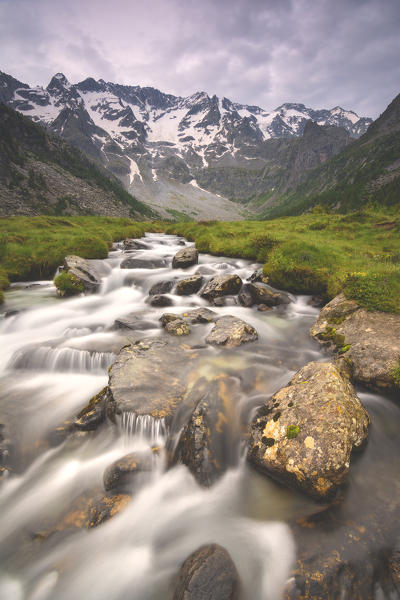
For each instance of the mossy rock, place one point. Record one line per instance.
(68, 285)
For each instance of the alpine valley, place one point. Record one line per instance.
(195, 158)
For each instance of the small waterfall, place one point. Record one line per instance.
(61, 359)
(143, 427)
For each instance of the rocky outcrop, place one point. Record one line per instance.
(207, 442)
(221, 285)
(368, 342)
(305, 434)
(84, 272)
(150, 377)
(143, 263)
(231, 331)
(186, 257)
(209, 573)
(190, 285)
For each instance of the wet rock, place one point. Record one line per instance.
(181, 242)
(132, 321)
(143, 263)
(245, 298)
(161, 287)
(208, 442)
(94, 413)
(263, 308)
(209, 573)
(190, 285)
(83, 272)
(258, 276)
(369, 341)
(130, 244)
(230, 331)
(121, 474)
(161, 301)
(177, 327)
(263, 294)
(316, 301)
(150, 377)
(88, 510)
(200, 315)
(5, 449)
(224, 301)
(221, 285)
(305, 434)
(185, 258)
(204, 270)
(168, 317)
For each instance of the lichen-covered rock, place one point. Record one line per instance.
(263, 294)
(231, 331)
(144, 263)
(93, 414)
(177, 327)
(190, 285)
(221, 285)
(186, 257)
(200, 315)
(160, 301)
(161, 287)
(208, 574)
(304, 436)
(208, 442)
(83, 272)
(369, 341)
(168, 317)
(121, 474)
(151, 377)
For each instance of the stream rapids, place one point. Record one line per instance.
(54, 356)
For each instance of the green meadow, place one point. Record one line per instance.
(316, 253)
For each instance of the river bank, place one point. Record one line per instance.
(55, 354)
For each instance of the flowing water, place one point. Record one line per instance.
(54, 356)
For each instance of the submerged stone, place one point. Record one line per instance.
(209, 573)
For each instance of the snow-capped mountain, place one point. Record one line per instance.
(153, 141)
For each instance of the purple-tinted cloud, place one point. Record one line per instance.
(263, 52)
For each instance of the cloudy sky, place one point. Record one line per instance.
(322, 53)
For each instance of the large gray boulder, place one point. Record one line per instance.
(200, 315)
(221, 285)
(368, 342)
(185, 258)
(208, 574)
(305, 434)
(84, 272)
(263, 294)
(150, 377)
(161, 287)
(231, 331)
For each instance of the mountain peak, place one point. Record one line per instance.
(58, 83)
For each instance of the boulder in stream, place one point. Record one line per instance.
(177, 327)
(144, 263)
(368, 341)
(304, 435)
(263, 294)
(190, 285)
(258, 275)
(200, 315)
(121, 474)
(231, 331)
(150, 377)
(130, 244)
(186, 257)
(161, 287)
(83, 272)
(161, 301)
(208, 442)
(209, 573)
(221, 285)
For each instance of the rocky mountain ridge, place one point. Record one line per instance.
(174, 152)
